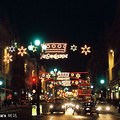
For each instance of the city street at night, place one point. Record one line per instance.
(60, 59)
(24, 113)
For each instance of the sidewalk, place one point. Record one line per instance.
(115, 111)
(12, 107)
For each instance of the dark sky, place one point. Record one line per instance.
(73, 21)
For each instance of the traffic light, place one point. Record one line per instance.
(34, 79)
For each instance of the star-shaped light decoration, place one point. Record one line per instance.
(8, 58)
(78, 75)
(85, 49)
(51, 85)
(48, 76)
(72, 74)
(76, 82)
(34, 48)
(22, 51)
(12, 49)
(73, 48)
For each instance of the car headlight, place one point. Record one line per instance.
(63, 106)
(51, 106)
(99, 108)
(107, 108)
(77, 106)
(66, 104)
(87, 108)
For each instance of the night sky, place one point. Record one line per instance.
(73, 21)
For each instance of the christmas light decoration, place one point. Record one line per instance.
(73, 48)
(12, 49)
(42, 79)
(8, 58)
(48, 76)
(43, 75)
(55, 47)
(72, 74)
(77, 75)
(72, 81)
(76, 82)
(22, 51)
(85, 49)
(34, 48)
(51, 85)
(54, 56)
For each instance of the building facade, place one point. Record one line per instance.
(6, 36)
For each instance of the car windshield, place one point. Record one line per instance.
(59, 100)
(103, 103)
(89, 104)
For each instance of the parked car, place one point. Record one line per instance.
(57, 106)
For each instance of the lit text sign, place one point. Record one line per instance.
(54, 56)
(54, 51)
(66, 83)
(63, 76)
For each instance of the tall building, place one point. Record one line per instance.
(6, 36)
(112, 38)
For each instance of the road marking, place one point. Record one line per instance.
(51, 118)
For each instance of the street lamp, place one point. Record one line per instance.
(1, 82)
(55, 72)
(37, 42)
(102, 81)
(91, 86)
(38, 82)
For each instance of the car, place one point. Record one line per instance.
(79, 107)
(103, 106)
(90, 107)
(57, 106)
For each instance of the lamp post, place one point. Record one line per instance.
(103, 90)
(102, 81)
(55, 72)
(38, 82)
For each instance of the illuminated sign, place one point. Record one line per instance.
(55, 47)
(66, 83)
(54, 51)
(54, 56)
(63, 76)
(84, 91)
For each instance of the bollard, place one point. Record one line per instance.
(34, 110)
(40, 109)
